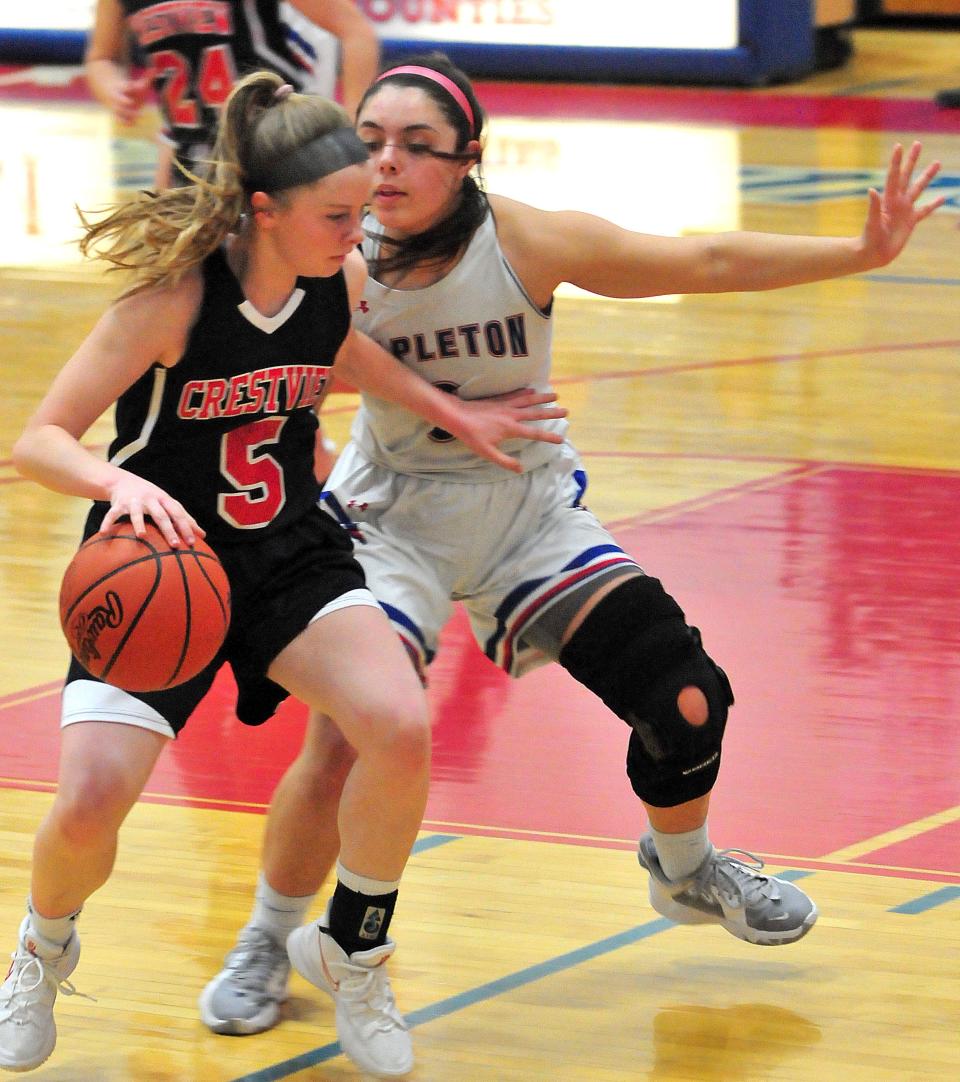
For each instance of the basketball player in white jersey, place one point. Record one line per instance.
(461, 288)
(238, 309)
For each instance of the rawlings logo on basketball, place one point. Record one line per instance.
(87, 627)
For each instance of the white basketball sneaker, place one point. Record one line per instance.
(40, 969)
(372, 1031)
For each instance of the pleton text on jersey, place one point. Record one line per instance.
(499, 336)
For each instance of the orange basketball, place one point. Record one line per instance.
(141, 615)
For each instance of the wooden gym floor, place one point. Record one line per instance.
(787, 462)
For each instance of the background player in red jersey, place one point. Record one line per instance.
(192, 55)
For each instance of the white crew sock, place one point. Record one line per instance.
(278, 914)
(53, 932)
(681, 854)
(361, 885)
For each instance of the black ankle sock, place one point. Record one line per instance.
(359, 922)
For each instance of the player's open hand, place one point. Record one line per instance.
(893, 214)
(488, 422)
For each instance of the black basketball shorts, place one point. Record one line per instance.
(278, 585)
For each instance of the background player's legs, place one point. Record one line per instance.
(306, 801)
(245, 996)
(630, 645)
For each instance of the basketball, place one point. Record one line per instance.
(142, 615)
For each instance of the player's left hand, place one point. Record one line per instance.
(893, 214)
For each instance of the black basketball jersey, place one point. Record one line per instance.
(229, 430)
(197, 49)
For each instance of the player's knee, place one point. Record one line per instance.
(407, 745)
(636, 651)
(692, 704)
(86, 813)
(397, 733)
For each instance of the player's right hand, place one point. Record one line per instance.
(135, 497)
(129, 97)
(488, 422)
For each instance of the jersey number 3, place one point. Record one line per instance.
(254, 472)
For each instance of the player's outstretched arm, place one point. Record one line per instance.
(599, 256)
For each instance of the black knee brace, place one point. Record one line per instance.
(636, 651)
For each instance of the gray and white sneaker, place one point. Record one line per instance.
(245, 996)
(39, 970)
(731, 892)
(372, 1031)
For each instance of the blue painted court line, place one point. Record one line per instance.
(421, 845)
(928, 901)
(911, 280)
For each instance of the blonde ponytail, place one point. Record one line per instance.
(160, 236)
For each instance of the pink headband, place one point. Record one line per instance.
(441, 80)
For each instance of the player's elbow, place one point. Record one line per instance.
(23, 454)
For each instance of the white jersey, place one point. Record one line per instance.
(315, 48)
(474, 333)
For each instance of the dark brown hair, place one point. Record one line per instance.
(443, 241)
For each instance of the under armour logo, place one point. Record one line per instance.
(372, 922)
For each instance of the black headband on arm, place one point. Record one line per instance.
(319, 158)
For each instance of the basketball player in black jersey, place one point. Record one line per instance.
(194, 52)
(216, 357)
